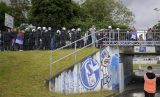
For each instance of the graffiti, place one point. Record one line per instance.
(105, 62)
(114, 69)
(89, 73)
(99, 71)
(107, 80)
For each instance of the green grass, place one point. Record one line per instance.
(24, 74)
(136, 66)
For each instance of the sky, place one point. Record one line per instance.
(145, 15)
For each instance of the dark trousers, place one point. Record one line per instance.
(149, 94)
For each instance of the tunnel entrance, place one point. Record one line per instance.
(135, 64)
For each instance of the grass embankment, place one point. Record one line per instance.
(24, 74)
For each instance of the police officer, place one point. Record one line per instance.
(51, 38)
(78, 36)
(26, 45)
(68, 37)
(31, 40)
(73, 36)
(149, 83)
(89, 37)
(39, 32)
(63, 36)
(44, 38)
(57, 38)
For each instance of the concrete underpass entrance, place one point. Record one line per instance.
(110, 68)
(134, 70)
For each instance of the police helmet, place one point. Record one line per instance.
(63, 28)
(72, 29)
(49, 28)
(109, 27)
(79, 29)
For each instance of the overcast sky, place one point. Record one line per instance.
(145, 16)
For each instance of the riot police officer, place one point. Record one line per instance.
(78, 36)
(57, 38)
(73, 36)
(63, 37)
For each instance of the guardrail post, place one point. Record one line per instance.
(3, 41)
(118, 33)
(75, 48)
(50, 79)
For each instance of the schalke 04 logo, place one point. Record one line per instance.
(90, 73)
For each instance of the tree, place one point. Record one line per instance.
(157, 27)
(21, 7)
(4, 9)
(58, 13)
(122, 15)
(53, 13)
(107, 12)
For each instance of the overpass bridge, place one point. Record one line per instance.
(110, 68)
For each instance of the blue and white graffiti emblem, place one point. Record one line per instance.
(90, 73)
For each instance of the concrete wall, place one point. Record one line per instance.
(127, 61)
(96, 72)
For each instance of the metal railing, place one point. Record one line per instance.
(42, 41)
(133, 38)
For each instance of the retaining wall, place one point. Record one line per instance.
(96, 72)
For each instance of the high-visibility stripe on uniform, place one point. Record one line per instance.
(150, 84)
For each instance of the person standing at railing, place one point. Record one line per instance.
(93, 30)
(149, 34)
(134, 35)
(128, 36)
(141, 37)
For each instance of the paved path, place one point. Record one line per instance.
(135, 94)
(135, 90)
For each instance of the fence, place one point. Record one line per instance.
(50, 40)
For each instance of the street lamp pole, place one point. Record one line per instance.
(157, 10)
